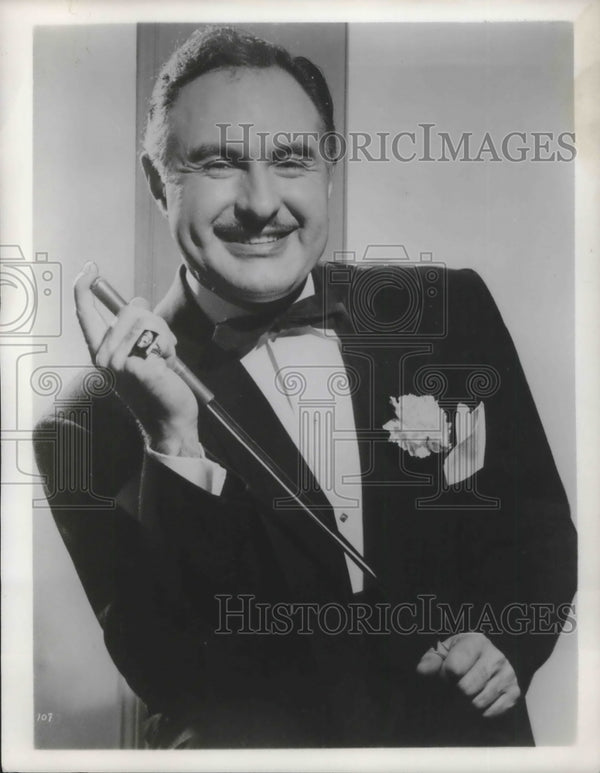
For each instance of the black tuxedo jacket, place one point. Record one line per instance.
(153, 572)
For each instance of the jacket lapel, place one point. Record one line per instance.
(382, 368)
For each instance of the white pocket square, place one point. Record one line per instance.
(466, 458)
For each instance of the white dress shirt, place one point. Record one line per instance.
(302, 376)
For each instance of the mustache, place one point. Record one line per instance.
(234, 231)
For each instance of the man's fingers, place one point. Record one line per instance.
(502, 704)
(480, 670)
(133, 320)
(500, 684)
(455, 656)
(480, 673)
(493, 689)
(464, 653)
(90, 321)
(430, 663)
(162, 346)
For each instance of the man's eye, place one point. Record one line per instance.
(218, 166)
(293, 164)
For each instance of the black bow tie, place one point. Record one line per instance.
(241, 334)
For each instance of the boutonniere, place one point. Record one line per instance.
(422, 428)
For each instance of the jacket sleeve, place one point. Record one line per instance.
(151, 578)
(522, 556)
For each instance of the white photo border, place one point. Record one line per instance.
(17, 20)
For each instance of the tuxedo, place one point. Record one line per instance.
(157, 578)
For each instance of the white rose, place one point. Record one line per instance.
(421, 426)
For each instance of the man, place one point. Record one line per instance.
(467, 516)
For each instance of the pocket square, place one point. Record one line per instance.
(466, 458)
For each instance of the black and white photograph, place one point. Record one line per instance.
(299, 420)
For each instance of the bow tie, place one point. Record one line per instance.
(242, 334)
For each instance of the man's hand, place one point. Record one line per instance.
(479, 670)
(164, 405)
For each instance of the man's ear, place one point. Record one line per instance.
(155, 182)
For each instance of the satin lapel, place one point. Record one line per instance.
(334, 280)
(359, 370)
(388, 490)
(379, 369)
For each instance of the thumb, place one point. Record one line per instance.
(141, 303)
(433, 660)
(90, 320)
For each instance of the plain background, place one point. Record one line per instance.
(512, 222)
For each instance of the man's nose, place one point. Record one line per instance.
(258, 197)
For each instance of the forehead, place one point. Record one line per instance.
(269, 99)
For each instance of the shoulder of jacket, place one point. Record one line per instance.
(457, 277)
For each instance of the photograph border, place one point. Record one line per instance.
(17, 21)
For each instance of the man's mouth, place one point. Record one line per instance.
(241, 237)
(265, 244)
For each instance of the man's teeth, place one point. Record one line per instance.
(263, 239)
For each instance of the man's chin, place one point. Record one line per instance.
(265, 286)
(261, 295)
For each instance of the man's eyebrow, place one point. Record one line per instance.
(211, 149)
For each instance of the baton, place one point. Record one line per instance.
(114, 302)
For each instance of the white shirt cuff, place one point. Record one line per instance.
(198, 470)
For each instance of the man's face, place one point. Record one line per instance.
(250, 227)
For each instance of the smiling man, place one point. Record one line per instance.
(202, 548)
(252, 229)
